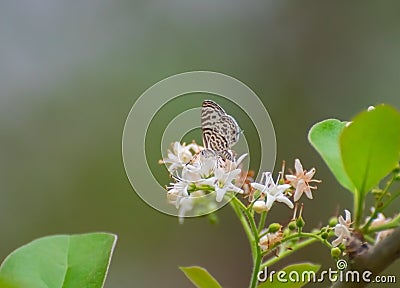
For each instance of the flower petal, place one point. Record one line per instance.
(238, 161)
(270, 200)
(310, 173)
(284, 199)
(307, 190)
(220, 194)
(298, 167)
(258, 187)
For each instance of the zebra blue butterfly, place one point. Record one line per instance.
(220, 131)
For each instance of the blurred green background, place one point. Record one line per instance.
(70, 72)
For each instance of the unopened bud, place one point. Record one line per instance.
(333, 221)
(336, 252)
(300, 222)
(274, 227)
(259, 206)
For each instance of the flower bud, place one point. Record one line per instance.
(333, 221)
(274, 227)
(292, 225)
(259, 206)
(300, 222)
(336, 252)
(213, 218)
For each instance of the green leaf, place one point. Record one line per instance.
(8, 284)
(371, 146)
(324, 137)
(293, 276)
(66, 261)
(200, 277)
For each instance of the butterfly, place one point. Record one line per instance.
(220, 130)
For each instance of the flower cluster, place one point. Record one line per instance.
(344, 232)
(199, 172)
(274, 191)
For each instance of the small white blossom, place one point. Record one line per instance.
(229, 165)
(203, 164)
(301, 181)
(179, 155)
(342, 229)
(177, 191)
(380, 220)
(273, 191)
(224, 182)
(186, 205)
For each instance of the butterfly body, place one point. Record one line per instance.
(220, 130)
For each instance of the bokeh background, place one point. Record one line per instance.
(70, 72)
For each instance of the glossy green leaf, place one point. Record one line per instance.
(200, 277)
(8, 284)
(292, 276)
(324, 137)
(370, 146)
(66, 261)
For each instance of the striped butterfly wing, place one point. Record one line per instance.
(220, 131)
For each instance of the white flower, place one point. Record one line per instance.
(224, 182)
(203, 163)
(179, 155)
(229, 165)
(177, 192)
(342, 229)
(272, 191)
(185, 206)
(378, 221)
(301, 181)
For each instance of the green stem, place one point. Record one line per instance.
(377, 208)
(253, 239)
(358, 207)
(286, 253)
(394, 223)
(298, 235)
(312, 238)
(257, 255)
(238, 207)
(261, 224)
